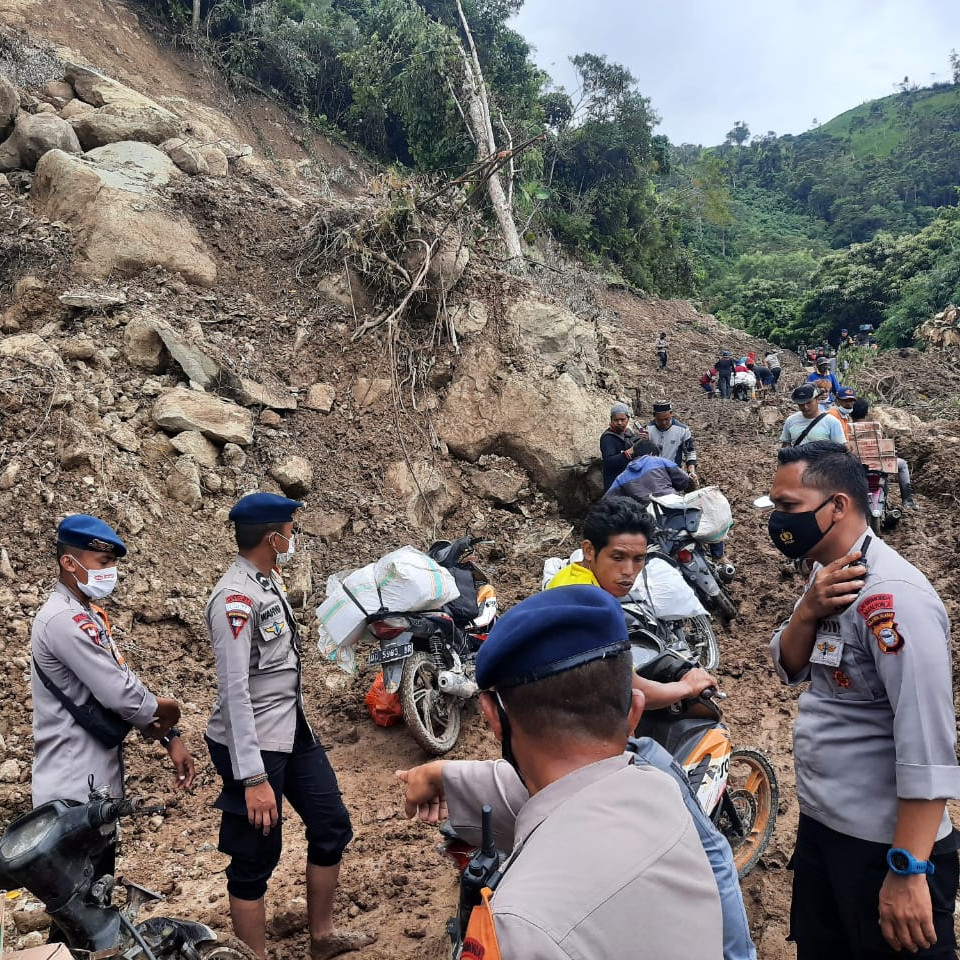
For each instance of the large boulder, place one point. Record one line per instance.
(113, 123)
(895, 421)
(549, 426)
(111, 199)
(555, 335)
(143, 347)
(33, 136)
(33, 349)
(99, 90)
(219, 420)
(295, 476)
(9, 106)
(428, 496)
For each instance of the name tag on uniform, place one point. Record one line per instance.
(827, 651)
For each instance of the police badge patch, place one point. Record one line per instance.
(238, 607)
(884, 627)
(86, 624)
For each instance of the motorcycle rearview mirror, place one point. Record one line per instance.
(763, 503)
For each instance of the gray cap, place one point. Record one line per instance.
(619, 408)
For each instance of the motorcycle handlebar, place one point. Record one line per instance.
(109, 811)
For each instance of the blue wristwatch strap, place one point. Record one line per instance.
(903, 863)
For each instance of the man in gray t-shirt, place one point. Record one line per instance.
(809, 423)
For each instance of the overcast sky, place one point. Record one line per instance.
(775, 64)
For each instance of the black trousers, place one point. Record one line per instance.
(836, 886)
(304, 776)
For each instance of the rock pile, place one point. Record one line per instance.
(942, 330)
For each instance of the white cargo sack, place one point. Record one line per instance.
(405, 579)
(665, 590)
(716, 517)
(551, 567)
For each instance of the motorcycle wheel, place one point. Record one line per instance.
(876, 526)
(702, 641)
(432, 716)
(752, 788)
(226, 948)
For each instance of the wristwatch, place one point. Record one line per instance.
(903, 863)
(173, 732)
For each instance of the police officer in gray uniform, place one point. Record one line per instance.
(259, 739)
(673, 439)
(605, 859)
(875, 865)
(75, 661)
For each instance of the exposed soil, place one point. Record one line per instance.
(266, 320)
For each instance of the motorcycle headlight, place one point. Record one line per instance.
(24, 836)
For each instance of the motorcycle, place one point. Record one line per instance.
(692, 638)
(882, 514)
(737, 788)
(52, 851)
(675, 527)
(429, 656)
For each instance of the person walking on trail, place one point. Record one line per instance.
(875, 734)
(671, 438)
(809, 423)
(661, 347)
(605, 860)
(647, 476)
(842, 409)
(772, 360)
(823, 372)
(259, 738)
(858, 413)
(76, 661)
(724, 366)
(616, 444)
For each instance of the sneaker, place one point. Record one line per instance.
(911, 504)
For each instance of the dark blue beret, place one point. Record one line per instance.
(90, 533)
(550, 632)
(264, 508)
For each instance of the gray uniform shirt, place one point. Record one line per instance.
(73, 646)
(606, 863)
(256, 643)
(675, 443)
(877, 723)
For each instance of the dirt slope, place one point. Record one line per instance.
(269, 321)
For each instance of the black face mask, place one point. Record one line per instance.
(796, 534)
(506, 748)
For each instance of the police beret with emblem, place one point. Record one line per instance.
(90, 533)
(256, 508)
(549, 633)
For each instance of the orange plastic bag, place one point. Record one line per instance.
(384, 708)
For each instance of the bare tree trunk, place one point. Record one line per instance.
(196, 15)
(481, 129)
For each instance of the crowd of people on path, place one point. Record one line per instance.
(608, 852)
(743, 379)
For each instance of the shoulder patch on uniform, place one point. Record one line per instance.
(884, 627)
(874, 604)
(239, 607)
(85, 622)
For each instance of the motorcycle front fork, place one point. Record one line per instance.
(727, 806)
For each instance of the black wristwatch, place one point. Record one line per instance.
(174, 732)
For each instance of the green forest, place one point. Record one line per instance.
(791, 237)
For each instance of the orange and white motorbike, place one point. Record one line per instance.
(737, 787)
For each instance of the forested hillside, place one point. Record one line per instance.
(792, 237)
(847, 224)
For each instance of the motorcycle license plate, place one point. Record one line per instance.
(390, 653)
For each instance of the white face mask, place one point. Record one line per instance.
(100, 583)
(287, 555)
